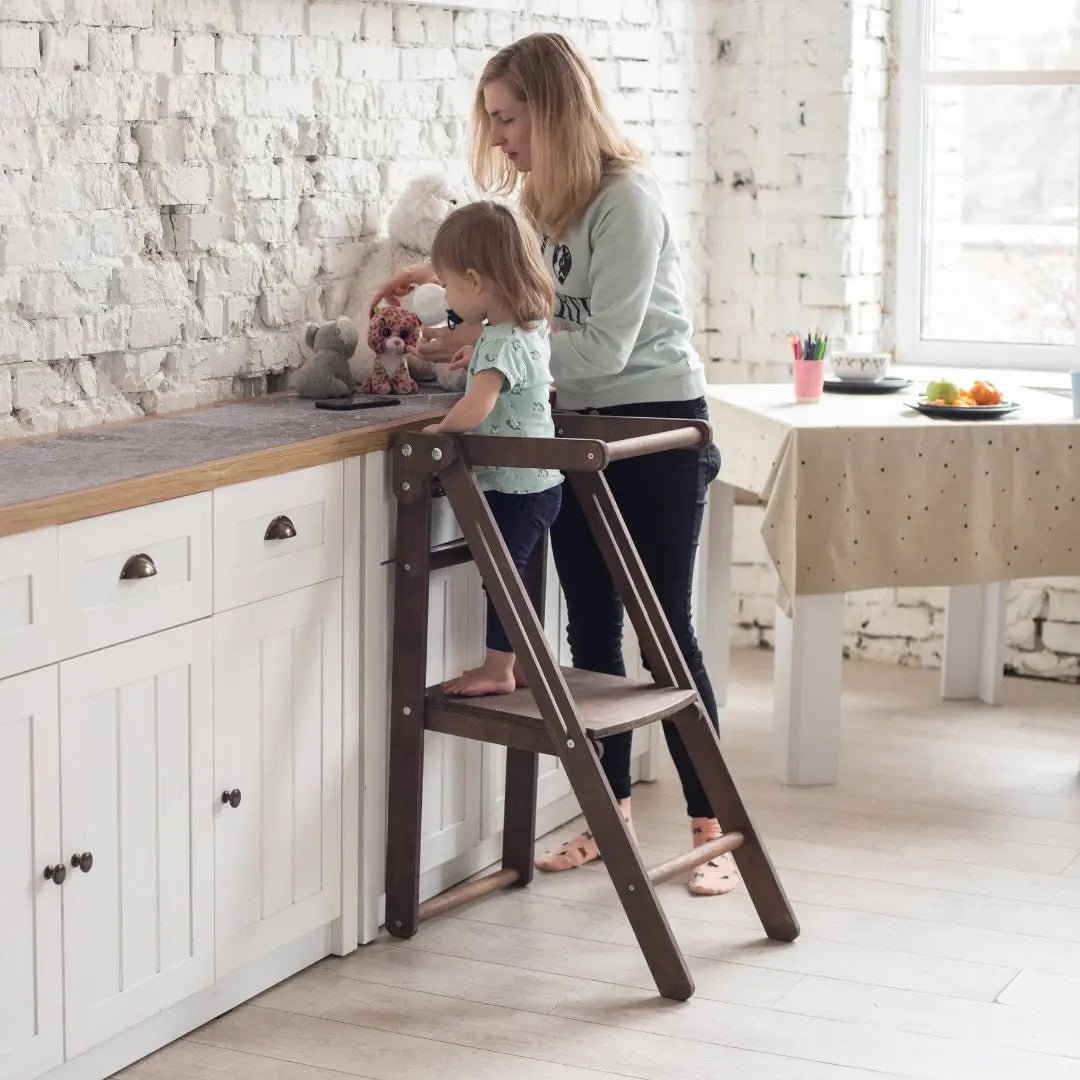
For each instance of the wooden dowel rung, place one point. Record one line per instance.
(689, 859)
(681, 439)
(462, 894)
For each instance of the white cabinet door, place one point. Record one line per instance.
(450, 825)
(277, 742)
(135, 782)
(31, 981)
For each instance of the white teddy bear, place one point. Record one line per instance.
(413, 222)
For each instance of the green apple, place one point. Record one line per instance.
(942, 390)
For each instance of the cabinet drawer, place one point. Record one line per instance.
(127, 574)
(277, 534)
(444, 526)
(29, 615)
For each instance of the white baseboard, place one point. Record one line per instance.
(232, 990)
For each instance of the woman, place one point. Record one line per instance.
(621, 347)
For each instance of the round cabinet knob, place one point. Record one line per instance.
(137, 567)
(232, 798)
(281, 528)
(56, 874)
(83, 862)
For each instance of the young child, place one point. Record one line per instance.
(489, 261)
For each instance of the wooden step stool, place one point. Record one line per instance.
(564, 711)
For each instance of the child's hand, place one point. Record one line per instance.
(432, 429)
(461, 358)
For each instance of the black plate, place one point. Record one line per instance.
(888, 385)
(361, 401)
(961, 412)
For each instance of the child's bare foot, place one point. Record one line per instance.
(579, 849)
(519, 675)
(717, 876)
(494, 676)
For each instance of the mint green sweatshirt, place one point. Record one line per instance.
(623, 332)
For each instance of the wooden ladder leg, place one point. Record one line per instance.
(768, 896)
(519, 813)
(519, 802)
(628, 874)
(407, 703)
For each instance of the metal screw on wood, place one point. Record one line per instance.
(406, 449)
(407, 568)
(630, 887)
(406, 486)
(407, 711)
(570, 744)
(590, 456)
(436, 454)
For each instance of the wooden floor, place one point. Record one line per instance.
(938, 886)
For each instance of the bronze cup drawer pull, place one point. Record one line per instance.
(281, 528)
(138, 567)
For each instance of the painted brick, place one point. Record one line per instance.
(20, 47)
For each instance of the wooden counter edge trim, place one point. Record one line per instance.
(205, 476)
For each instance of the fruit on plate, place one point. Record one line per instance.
(942, 392)
(985, 393)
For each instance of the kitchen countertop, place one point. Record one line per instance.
(50, 480)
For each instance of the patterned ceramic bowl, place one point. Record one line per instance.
(861, 366)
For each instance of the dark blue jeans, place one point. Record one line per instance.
(662, 499)
(522, 520)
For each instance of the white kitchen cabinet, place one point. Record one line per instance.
(135, 779)
(127, 574)
(277, 757)
(277, 534)
(451, 821)
(29, 601)
(31, 978)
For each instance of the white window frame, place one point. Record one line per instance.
(911, 347)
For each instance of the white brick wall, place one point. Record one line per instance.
(185, 181)
(803, 232)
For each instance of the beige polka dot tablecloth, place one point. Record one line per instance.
(861, 491)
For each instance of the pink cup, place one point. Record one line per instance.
(809, 380)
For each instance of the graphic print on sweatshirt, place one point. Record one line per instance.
(574, 309)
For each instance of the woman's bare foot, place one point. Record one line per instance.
(494, 676)
(717, 876)
(579, 849)
(519, 675)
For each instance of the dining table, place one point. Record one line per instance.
(862, 491)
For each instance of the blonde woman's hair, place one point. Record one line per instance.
(576, 142)
(496, 241)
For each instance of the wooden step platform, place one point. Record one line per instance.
(606, 704)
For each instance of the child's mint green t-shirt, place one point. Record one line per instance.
(522, 408)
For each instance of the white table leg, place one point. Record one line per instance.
(806, 690)
(714, 586)
(973, 660)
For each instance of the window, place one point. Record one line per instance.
(988, 260)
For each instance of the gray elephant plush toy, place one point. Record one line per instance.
(326, 373)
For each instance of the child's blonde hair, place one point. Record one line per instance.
(496, 241)
(576, 142)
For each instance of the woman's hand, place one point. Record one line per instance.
(403, 283)
(462, 357)
(441, 345)
(432, 429)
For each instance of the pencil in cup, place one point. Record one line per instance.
(808, 355)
